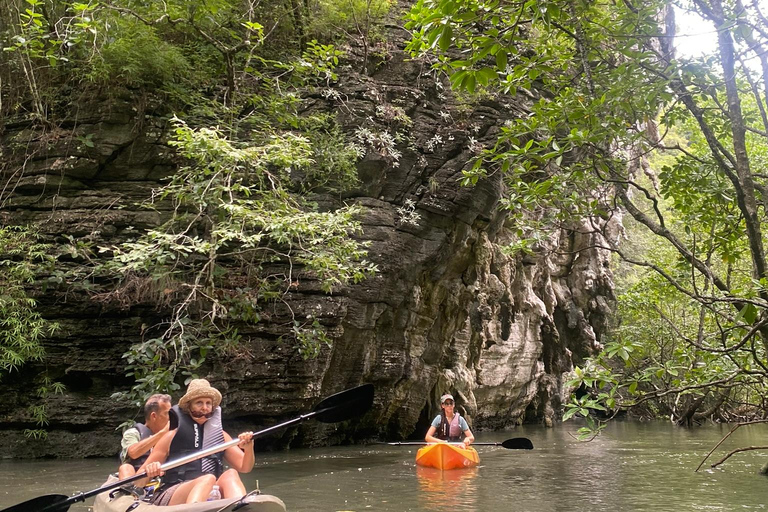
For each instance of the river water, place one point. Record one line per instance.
(630, 467)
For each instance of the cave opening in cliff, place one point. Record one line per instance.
(422, 424)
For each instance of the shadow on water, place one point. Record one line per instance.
(631, 467)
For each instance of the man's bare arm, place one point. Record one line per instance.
(136, 450)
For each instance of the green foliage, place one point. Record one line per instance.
(43, 36)
(234, 213)
(534, 153)
(178, 48)
(37, 38)
(22, 329)
(136, 56)
(319, 62)
(190, 51)
(39, 412)
(310, 338)
(334, 157)
(653, 365)
(156, 364)
(330, 19)
(37, 434)
(665, 352)
(238, 207)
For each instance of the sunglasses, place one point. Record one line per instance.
(448, 402)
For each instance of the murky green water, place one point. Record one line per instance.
(632, 467)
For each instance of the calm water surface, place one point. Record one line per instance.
(632, 466)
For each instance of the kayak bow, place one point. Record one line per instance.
(447, 456)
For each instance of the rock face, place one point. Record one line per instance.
(448, 311)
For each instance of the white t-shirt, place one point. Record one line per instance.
(130, 436)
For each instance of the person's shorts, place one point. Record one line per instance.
(163, 498)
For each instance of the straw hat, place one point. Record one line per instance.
(199, 388)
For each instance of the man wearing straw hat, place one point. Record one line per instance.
(199, 427)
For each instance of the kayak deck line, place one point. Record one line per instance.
(447, 456)
(252, 503)
(255, 503)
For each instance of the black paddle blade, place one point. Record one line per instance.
(345, 405)
(518, 443)
(47, 502)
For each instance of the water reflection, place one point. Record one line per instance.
(447, 489)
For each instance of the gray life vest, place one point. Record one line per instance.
(144, 432)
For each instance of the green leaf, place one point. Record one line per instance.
(470, 83)
(446, 38)
(486, 75)
(456, 78)
(432, 37)
(748, 313)
(501, 60)
(744, 32)
(569, 413)
(488, 48)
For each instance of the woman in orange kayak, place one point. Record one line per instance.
(449, 425)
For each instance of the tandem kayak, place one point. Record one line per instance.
(447, 456)
(119, 501)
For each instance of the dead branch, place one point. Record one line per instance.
(735, 451)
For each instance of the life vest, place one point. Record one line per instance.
(449, 431)
(191, 437)
(144, 432)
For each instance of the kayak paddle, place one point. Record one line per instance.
(339, 407)
(516, 443)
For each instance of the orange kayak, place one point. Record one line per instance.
(447, 456)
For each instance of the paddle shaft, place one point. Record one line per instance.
(516, 443)
(422, 443)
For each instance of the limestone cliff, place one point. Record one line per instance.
(447, 312)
